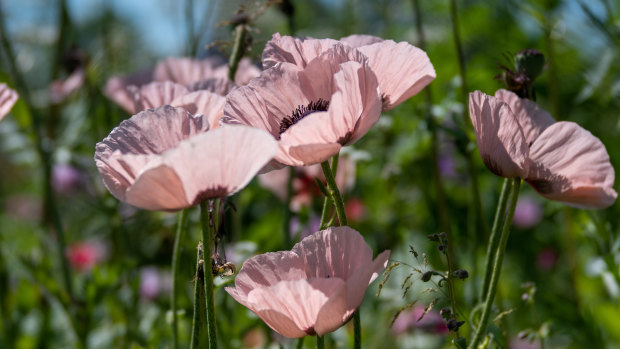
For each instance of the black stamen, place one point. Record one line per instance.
(301, 112)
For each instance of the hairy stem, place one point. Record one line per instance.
(515, 184)
(500, 212)
(320, 342)
(238, 50)
(207, 245)
(199, 300)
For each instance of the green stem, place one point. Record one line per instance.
(189, 27)
(500, 213)
(335, 193)
(357, 330)
(238, 50)
(320, 342)
(286, 226)
(199, 305)
(207, 245)
(328, 200)
(515, 184)
(175, 268)
(300, 343)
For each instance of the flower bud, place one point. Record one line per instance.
(445, 313)
(427, 276)
(460, 274)
(454, 325)
(530, 62)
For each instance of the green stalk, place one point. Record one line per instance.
(357, 329)
(175, 268)
(199, 305)
(300, 343)
(326, 202)
(334, 192)
(515, 184)
(500, 213)
(320, 342)
(238, 50)
(207, 245)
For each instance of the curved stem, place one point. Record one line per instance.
(335, 193)
(207, 245)
(286, 226)
(175, 267)
(500, 212)
(515, 184)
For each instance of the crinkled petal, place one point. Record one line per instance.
(359, 280)
(402, 70)
(156, 94)
(571, 165)
(357, 40)
(157, 188)
(220, 162)
(312, 140)
(246, 71)
(281, 323)
(267, 270)
(299, 300)
(531, 117)
(8, 97)
(499, 136)
(206, 103)
(334, 252)
(297, 51)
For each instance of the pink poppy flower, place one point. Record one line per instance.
(8, 97)
(312, 289)
(311, 111)
(208, 74)
(157, 94)
(164, 159)
(402, 70)
(560, 160)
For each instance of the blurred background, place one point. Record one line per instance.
(409, 177)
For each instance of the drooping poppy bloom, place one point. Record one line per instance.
(318, 95)
(164, 159)
(402, 69)
(8, 97)
(312, 289)
(208, 74)
(560, 160)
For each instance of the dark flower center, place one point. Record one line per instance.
(301, 112)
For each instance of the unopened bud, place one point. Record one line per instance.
(530, 62)
(460, 274)
(426, 276)
(433, 237)
(445, 313)
(454, 325)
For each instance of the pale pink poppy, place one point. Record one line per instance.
(164, 159)
(157, 94)
(208, 74)
(312, 289)
(402, 70)
(61, 89)
(305, 188)
(312, 111)
(8, 97)
(560, 160)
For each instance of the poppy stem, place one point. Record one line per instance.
(320, 342)
(199, 312)
(239, 48)
(500, 212)
(207, 245)
(515, 184)
(325, 212)
(357, 329)
(334, 192)
(175, 267)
